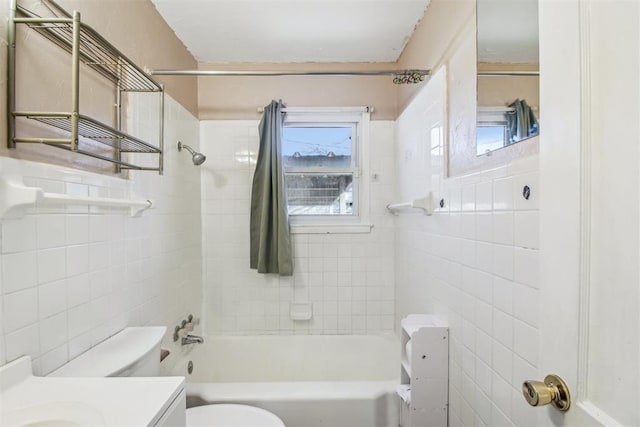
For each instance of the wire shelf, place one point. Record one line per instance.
(94, 130)
(121, 163)
(95, 51)
(85, 46)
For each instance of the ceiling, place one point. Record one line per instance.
(282, 31)
(507, 31)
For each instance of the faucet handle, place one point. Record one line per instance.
(183, 328)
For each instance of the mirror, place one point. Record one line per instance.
(508, 78)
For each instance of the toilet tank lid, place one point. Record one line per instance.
(115, 354)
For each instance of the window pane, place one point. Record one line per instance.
(328, 147)
(490, 137)
(309, 194)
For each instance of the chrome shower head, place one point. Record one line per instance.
(196, 158)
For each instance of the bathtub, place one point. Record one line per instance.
(308, 381)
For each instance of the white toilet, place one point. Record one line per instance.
(135, 352)
(229, 415)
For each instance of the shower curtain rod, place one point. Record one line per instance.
(399, 76)
(509, 73)
(282, 73)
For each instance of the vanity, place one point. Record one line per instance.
(28, 400)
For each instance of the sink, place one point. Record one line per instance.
(53, 414)
(27, 400)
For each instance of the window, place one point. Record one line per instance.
(319, 162)
(323, 161)
(491, 136)
(492, 130)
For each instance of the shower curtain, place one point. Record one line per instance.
(270, 238)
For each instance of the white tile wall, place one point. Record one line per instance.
(493, 311)
(476, 262)
(72, 276)
(347, 277)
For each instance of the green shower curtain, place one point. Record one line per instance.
(270, 238)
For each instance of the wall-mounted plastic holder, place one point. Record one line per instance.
(425, 203)
(15, 198)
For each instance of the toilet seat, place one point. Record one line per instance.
(231, 415)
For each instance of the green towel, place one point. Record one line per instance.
(522, 122)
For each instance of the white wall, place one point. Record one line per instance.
(72, 276)
(347, 277)
(475, 261)
(419, 141)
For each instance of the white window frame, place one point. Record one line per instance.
(359, 221)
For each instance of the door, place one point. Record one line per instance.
(590, 186)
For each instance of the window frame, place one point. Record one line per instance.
(359, 118)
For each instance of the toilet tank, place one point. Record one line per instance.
(132, 352)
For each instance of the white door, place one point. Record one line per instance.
(590, 208)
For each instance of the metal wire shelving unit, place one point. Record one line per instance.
(88, 47)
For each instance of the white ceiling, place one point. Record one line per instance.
(275, 31)
(508, 31)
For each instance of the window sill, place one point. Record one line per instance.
(331, 228)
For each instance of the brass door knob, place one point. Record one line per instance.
(552, 391)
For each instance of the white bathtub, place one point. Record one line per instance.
(308, 381)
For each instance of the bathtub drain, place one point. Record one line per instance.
(190, 367)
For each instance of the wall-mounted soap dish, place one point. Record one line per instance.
(301, 310)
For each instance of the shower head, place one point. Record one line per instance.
(196, 158)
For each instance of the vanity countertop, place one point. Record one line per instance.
(138, 401)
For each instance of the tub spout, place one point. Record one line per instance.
(192, 339)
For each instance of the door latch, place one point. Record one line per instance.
(552, 391)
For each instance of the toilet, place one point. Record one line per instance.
(231, 415)
(135, 352)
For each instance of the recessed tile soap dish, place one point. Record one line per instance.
(301, 310)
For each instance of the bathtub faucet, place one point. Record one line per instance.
(192, 339)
